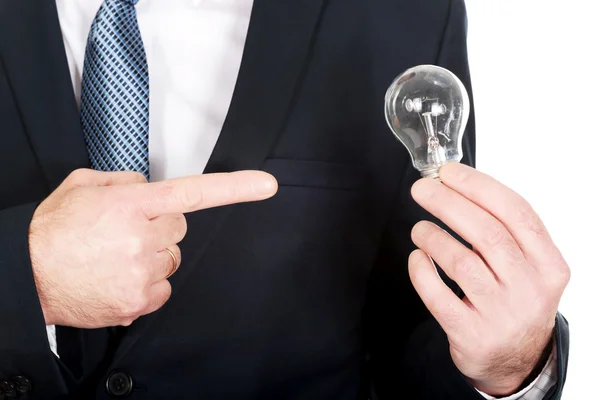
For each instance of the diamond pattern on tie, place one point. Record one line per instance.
(115, 91)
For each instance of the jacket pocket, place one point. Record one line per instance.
(316, 174)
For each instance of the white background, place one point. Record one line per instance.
(537, 98)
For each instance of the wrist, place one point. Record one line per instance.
(508, 385)
(45, 303)
(38, 278)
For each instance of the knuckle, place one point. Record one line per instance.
(166, 189)
(160, 297)
(238, 191)
(448, 314)
(133, 305)
(71, 197)
(480, 288)
(79, 176)
(565, 273)
(542, 305)
(138, 275)
(539, 299)
(513, 253)
(469, 268)
(184, 225)
(135, 247)
(561, 277)
(466, 265)
(191, 199)
(167, 293)
(179, 227)
(494, 235)
(528, 219)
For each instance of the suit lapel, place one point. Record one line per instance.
(38, 73)
(277, 50)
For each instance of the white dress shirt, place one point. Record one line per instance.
(194, 50)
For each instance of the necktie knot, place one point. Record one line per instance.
(130, 2)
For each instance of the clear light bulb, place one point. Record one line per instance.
(427, 108)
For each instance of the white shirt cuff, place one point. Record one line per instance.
(51, 331)
(540, 386)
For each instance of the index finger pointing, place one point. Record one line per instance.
(193, 193)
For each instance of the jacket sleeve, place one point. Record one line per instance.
(408, 352)
(24, 349)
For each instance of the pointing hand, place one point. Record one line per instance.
(98, 243)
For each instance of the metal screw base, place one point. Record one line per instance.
(431, 173)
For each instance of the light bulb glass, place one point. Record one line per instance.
(427, 108)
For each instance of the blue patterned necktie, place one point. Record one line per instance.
(115, 91)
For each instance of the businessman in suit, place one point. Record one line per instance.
(119, 117)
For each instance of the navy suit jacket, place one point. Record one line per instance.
(303, 296)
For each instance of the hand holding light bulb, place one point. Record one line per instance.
(513, 278)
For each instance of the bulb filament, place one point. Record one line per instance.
(436, 153)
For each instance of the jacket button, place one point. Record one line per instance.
(22, 385)
(119, 384)
(7, 390)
